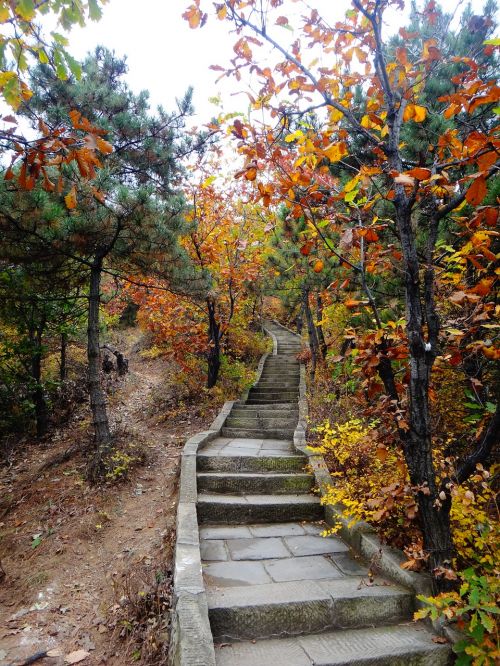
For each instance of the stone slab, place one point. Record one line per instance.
(398, 646)
(348, 565)
(220, 574)
(278, 530)
(213, 550)
(229, 532)
(314, 545)
(302, 568)
(262, 653)
(257, 549)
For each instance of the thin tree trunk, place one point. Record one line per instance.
(319, 326)
(63, 370)
(311, 330)
(102, 434)
(213, 355)
(41, 410)
(417, 441)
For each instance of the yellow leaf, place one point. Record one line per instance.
(420, 114)
(351, 184)
(70, 198)
(336, 151)
(208, 181)
(222, 12)
(409, 112)
(295, 135)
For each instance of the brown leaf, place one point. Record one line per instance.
(440, 639)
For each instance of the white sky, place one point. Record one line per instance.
(165, 56)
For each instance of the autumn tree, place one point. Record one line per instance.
(398, 202)
(225, 244)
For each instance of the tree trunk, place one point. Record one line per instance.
(311, 330)
(63, 370)
(417, 440)
(319, 326)
(102, 434)
(37, 394)
(213, 355)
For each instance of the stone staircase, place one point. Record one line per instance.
(278, 592)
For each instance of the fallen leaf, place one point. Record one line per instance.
(55, 652)
(439, 639)
(76, 657)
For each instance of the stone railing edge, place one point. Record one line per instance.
(191, 641)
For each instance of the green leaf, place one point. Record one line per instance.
(59, 39)
(490, 407)
(37, 540)
(95, 12)
(26, 9)
(61, 71)
(492, 42)
(74, 65)
(43, 57)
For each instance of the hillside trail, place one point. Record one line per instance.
(96, 545)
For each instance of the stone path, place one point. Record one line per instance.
(278, 592)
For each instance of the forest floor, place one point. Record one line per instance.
(88, 568)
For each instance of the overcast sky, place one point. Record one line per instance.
(165, 56)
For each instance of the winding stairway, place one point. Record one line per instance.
(278, 592)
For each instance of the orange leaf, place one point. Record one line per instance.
(70, 198)
(104, 146)
(477, 191)
(420, 114)
(318, 266)
(419, 173)
(371, 236)
(251, 174)
(409, 112)
(193, 16)
(351, 303)
(306, 249)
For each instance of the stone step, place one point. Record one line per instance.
(285, 407)
(253, 421)
(265, 401)
(300, 607)
(278, 383)
(404, 645)
(258, 433)
(235, 509)
(264, 392)
(256, 422)
(281, 379)
(266, 412)
(248, 483)
(263, 464)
